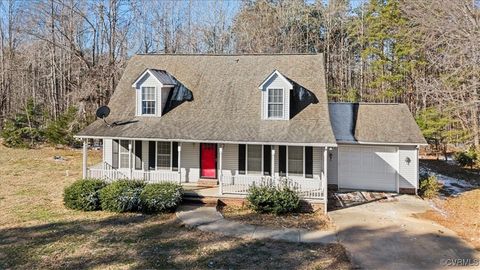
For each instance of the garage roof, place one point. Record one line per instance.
(378, 123)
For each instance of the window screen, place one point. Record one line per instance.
(275, 103)
(148, 100)
(295, 160)
(254, 159)
(163, 155)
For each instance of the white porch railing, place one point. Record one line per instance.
(107, 173)
(156, 176)
(307, 188)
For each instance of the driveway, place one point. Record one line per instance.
(386, 235)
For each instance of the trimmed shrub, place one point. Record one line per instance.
(271, 199)
(160, 197)
(83, 195)
(122, 196)
(429, 187)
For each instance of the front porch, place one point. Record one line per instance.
(234, 168)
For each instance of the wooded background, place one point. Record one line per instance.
(63, 54)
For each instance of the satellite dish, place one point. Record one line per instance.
(103, 112)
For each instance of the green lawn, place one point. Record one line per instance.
(37, 231)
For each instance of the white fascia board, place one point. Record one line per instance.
(276, 72)
(208, 141)
(379, 143)
(134, 85)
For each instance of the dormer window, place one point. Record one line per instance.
(276, 97)
(152, 89)
(148, 101)
(275, 103)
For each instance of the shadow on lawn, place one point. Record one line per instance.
(144, 241)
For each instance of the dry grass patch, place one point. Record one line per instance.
(38, 232)
(460, 214)
(308, 221)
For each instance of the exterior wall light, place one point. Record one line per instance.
(408, 160)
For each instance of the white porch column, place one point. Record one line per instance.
(273, 161)
(130, 159)
(324, 180)
(85, 155)
(220, 182)
(179, 151)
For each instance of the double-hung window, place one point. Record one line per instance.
(275, 103)
(295, 160)
(164, 152)
(254, 159)
(148, 100)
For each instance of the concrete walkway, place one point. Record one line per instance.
(210, 220)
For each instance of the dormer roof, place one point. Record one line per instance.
(160, 75)
(275, 73)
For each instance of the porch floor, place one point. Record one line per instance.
(193, 190)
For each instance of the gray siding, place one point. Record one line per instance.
(408, 173)
(145, 154)
(276, 82)
(332, 172)
(276, 161)
(230, 159)
(317, 160)
(161, 93)
(107, 151)
(190, 159)
(190, 162)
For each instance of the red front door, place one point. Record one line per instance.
(208, 156)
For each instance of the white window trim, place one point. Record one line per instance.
(267, 103)
(156, 157)
(303, 159)
(246, 161)
(141, 100)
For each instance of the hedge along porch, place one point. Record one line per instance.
(235, 167)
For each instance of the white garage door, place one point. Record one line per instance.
(368, 167)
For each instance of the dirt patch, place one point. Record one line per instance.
(308, 221)
(37, 231)
(460, 214)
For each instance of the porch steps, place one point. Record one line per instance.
(207, 182)
(189, 198)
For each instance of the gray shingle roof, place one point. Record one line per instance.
(374, 123)
(162, 76)
(226, 100)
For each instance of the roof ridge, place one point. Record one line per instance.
(224, 54)
(367, 103)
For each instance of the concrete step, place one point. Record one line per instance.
(207, 182)
(199, 200)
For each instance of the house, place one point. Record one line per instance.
(235, 120)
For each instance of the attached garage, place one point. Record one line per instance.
(368, 167)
